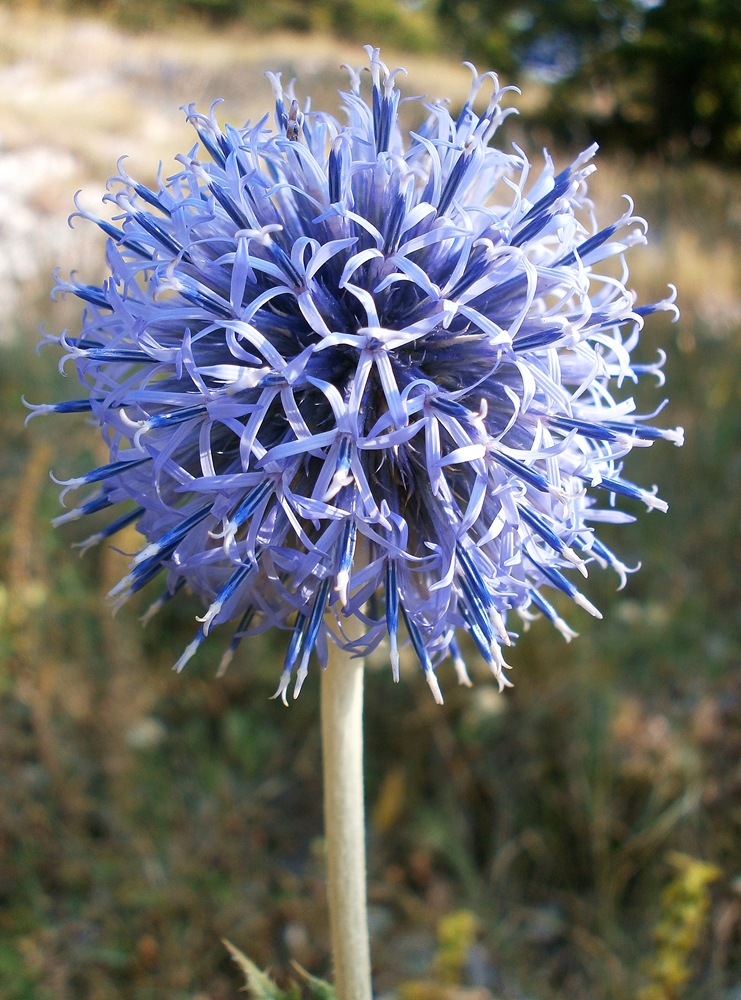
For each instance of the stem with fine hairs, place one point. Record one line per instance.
(344, 823)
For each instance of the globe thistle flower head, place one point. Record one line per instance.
(347, 373)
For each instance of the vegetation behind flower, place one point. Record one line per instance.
(142, 818)
(639, 74)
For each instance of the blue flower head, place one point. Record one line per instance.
(345, 373)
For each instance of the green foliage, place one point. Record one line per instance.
(260, 986)
(387, 22)
(646, 75)
(643, 76)
(456, 935)
(685, 904)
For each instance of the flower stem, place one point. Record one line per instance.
(342, 751)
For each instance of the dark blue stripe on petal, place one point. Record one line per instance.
(180, 530)
(642, 431)
(92, 294)
(533, 341)
(620, 487)
(213, 150)
(524, 472)
(175, 417)
(476, 609)
(111, 355)
(347, 545)
(473, 576)
(151, 198)
(250, 503)
(477, 635)
(587, 246)
(158, 233)
(557, 579)
(560, 184)
(230, 206)
(392, 598)
(542, 528)
(597, 432)
(75, 406)
(294, 646)
(113, 469)
(417, 641)
(317, 615)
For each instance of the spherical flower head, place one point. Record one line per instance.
(347, 373)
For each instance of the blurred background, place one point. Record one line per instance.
(578, 837)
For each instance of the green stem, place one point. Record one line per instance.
(344, 823)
